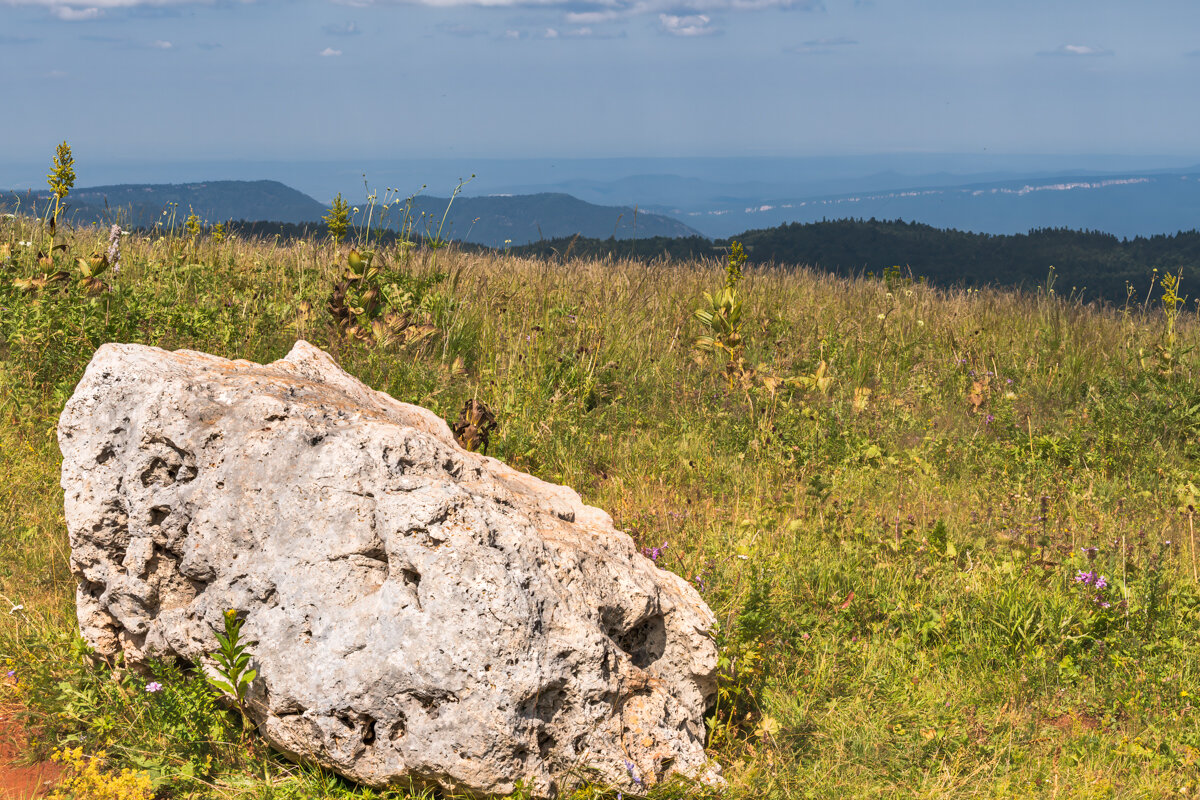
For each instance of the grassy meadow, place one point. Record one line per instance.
(948, 535)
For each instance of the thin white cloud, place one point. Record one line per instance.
(69, 14)
(550, 33)
(822, 46)
(1076, 50)
(162, 45)
(592, 17)
(610, 10)
(82, 10)
(460, 30)
(329, 52)
(690, 25)
(836, 41)
(343, 29)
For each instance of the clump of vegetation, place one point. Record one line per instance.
(86, 777)
(948, 535)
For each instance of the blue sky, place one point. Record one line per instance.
(327, 79)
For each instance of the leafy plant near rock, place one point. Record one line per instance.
(474, 427)
(232, 665)
(367, 309)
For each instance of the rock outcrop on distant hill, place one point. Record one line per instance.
(420, 611)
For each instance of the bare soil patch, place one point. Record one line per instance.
(18, 780)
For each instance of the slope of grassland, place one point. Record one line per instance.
(964, 566)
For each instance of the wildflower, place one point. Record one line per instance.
(654, 553)
(1085, 577)
(153, 686)
(629, 766)
(989, 419)
(1100, 582)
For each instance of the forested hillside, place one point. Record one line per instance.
(1096, 265)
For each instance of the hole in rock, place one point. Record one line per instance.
(645, 642)
(105, 454)
(545, 704)
(399, 728)
(545, 743)
(411, 577)
(368, 731)
(158, 514)
(169, 465)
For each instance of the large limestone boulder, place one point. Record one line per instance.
(421, 612)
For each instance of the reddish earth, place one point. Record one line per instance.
(19, 781)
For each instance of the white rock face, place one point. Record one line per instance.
(421, 612)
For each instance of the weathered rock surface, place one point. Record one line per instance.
(420, 611)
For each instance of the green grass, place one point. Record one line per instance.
(893, 561)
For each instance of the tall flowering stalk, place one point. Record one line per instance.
(61, 180)
(114, 249)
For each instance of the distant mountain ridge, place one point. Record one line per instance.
(500, 220)
(1125, 205)
(144, 205)
(494, 221)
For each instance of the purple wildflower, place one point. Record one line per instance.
(989, 419)
(153, 686)
(654, 553)
(629, 766)
(1100, 582)
(1085, 577)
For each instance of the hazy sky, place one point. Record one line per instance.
(180, 79)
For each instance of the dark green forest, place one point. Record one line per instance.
(1089, 264)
